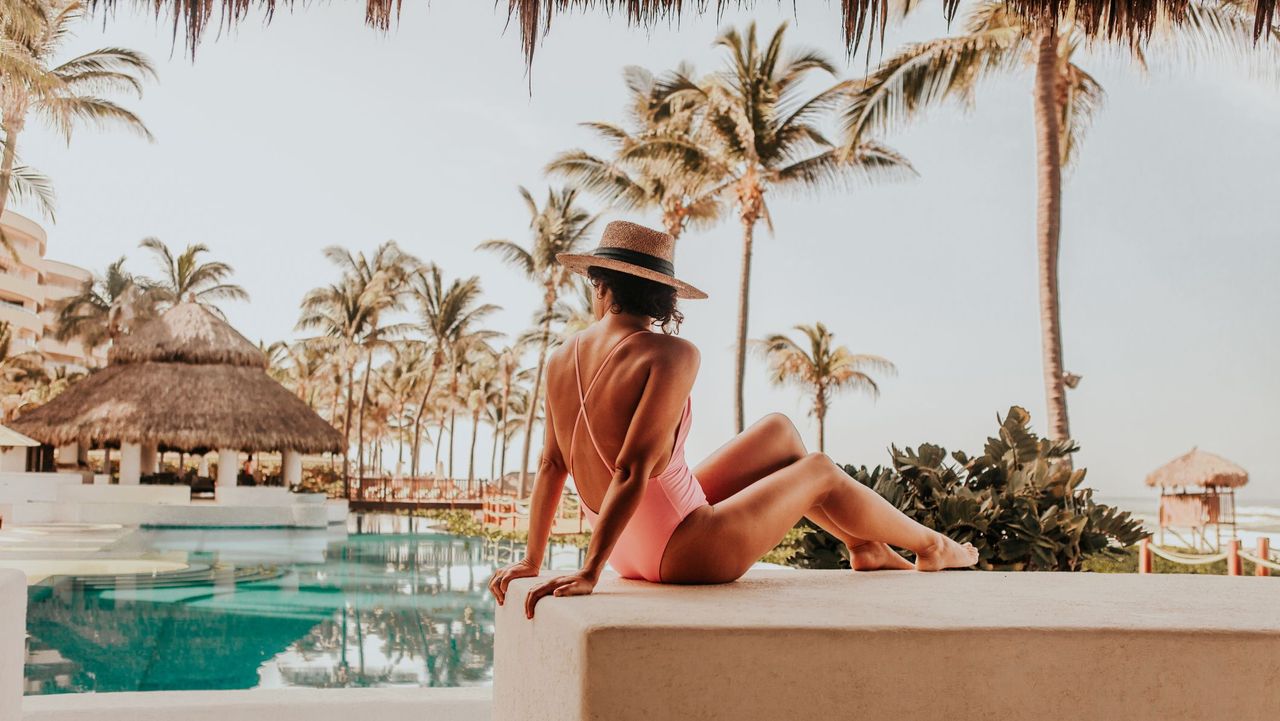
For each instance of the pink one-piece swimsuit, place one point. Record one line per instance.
(668, 498)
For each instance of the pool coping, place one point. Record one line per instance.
(472, 703)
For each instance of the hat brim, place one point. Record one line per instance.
(579, 262)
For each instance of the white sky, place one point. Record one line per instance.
(315, 130)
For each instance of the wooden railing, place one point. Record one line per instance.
(507, 513)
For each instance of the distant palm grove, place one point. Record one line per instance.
(392, 349)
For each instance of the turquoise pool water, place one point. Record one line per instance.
(388, 602)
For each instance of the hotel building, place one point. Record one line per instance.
(29, 288)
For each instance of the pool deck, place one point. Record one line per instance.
(377, 704)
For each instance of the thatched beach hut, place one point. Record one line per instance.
(185, 381)
(1197, 491)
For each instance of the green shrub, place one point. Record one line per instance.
(1019, 503)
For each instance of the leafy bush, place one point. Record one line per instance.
(1019, 502)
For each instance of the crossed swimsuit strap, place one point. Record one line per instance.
(582, 399)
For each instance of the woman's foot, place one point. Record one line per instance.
(946, 553)
(876, 556)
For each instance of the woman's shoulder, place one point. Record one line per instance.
(671, 349)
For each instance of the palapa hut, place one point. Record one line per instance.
(1197, 490)
(185, 381)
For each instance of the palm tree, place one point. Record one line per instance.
(63, 93)
(764, 130)
(19, 370)
(465, 350)
(823, 369)
(337, 311)
(479, 380)
(186, 277)
(381, 279)
(105, 308)
(559, 226)
(400, 380)
(683, 186)
(998, 41)
(446, 314)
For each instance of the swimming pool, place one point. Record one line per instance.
(386, 602)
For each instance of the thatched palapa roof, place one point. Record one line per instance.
(860, 19)
(184, 381)
(1198, 468)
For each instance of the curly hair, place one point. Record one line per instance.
(640, 296)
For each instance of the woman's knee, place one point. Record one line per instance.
(781, 427)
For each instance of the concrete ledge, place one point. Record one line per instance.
(23, 487)
(159, 495)
(382, 704)
(13, 645)
(254, 496)
(893, 646)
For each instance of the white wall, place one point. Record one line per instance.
(160, 495)
(21, 487)
(13, 643)
(13, 460)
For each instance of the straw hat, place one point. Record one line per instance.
(636, 250)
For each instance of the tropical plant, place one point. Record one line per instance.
(998, 40)
(478, 387)
(19, 370)
(400, 379)
(184, 277)
(64, 93)
(559, 226)
(683, 186)
(381, 280)
(763, 129)
(823, 369)
(465, 351)
(1019, 502)
(446, 315)
(105, 308)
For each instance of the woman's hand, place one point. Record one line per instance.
(523, 568)
(577, 584)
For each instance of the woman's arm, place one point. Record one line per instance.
(548, 485)
(647, 441)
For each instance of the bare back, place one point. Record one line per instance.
(635, 397)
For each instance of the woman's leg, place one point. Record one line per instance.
(719, 544)
(768, 446)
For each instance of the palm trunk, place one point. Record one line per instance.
(533, 399)
(502, 459)
(417, 420)
(364, 398)
(346, 432)
(1049, 227)
(493, 455)
(6, 171)
(439, 442)
(453, 413)
(744, 293)
(471, 464)
(820, 410)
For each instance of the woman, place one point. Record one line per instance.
(618, 413)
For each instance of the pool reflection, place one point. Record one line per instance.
(392, 603)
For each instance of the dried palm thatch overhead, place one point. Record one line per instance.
(1122, 19)
(1198, 468)
(184, 381)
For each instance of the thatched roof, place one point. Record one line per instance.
(184, 381)
(10, 438)
(188, 333)
(860, 19)
(1198, 468)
